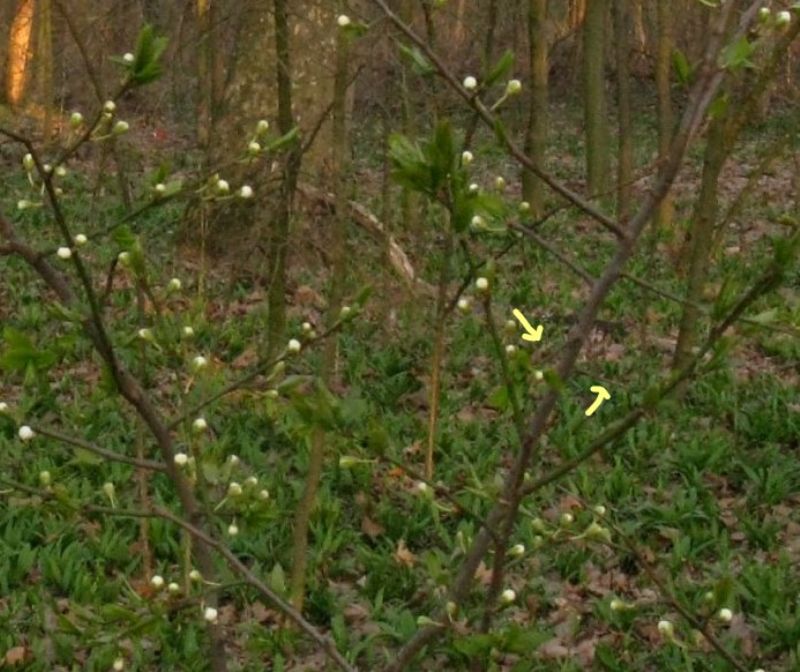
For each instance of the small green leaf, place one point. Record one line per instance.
(682, 67)
(500, 69)
(420, 64)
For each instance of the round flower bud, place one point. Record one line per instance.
(26, 433)
(233, 530)
(157, 582)
(187, 332)
(109, 489)
(467, 158)
(28, 162)
(524, 207)
(517, 550)
(725, 615)
(199, 363)
(181, 459)
(482, 284)
(64, 253)
(80, 240)
(174, 285)
(253, 148)
(234, 489)
(121, 127)
(263, 495)
(464, 305)
(47, 168)
(348, 461)
(124, 258)
(344, 312)
(500, 183)
(160, 189)
(23, 204)
(210, 614)
(199, 425)
(246, 191)
(600, 510)
(119, 665)
(538, 375)
(145, 334)
(222, 186)
(452, 609)
(764, 14)
(75, 119)
(783, 19)
(513, 87)
(128, 58)
(293, 346)
(616, 605)
(3, 407)
(508, 596)
(272, 394)
(262, 126)
(511, 349)
(195, 576)
(474, 188)
(251, 481)
(567, 518)
(234, 460)
(422, 487)
(343, 20)
(470, 83)
(109, 107)
(44, 478)
(666, 629)
(173, 588)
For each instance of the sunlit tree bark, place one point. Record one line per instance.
(595, 118)
(536, 138)
(19, 51)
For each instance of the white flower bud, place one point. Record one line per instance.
(262, 127)
(109, 489)
(263, 495)
(124, 258)
(508, 596)
(109, 107)
(174, 285)
(187, 332)
(464, 305)
(517, 550)
(666, 629)
(343, 21)
(181, 459)
(28, 162)
(233, 530)
(234, 489)
(600, 510)
(474, 188)
(513, 87)
(145, 334)
(524, 207)
(344, 312)
(477, 223)
(199, 425)
(23, 204)
(511, 349)
(195, 576)
(567, 519)
(253, 148)
(293, 346)
(764, 14)
(3, 407)
(725, 615)
(128, 58)
(500, 183)
(75, 120)
(121, 127)
(470, 83)
(119, 665)
(47, 168)
(251, 481)
(210, 614)
(80, 240)
(422, 487)
(482, 284)
(234, 460)
(783, 19)
(157, 582)
(64, 253)
(199, 363)
(246, 191)
(451, 608)
(222, 186)
(160, 189)
(173, 588)
(44, 478)
(616, 605)
(61, 171)
(467, 158)
(26, 433)
(538, 375)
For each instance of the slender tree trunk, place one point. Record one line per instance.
(204, 70)
(44, 52)
(666, 120)
(597, 154)
(340, 162)
(622, 38)
(279, 239)
(19, 51)
(536, 138)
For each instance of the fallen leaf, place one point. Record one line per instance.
(371, 528)
(16, 654)
(403, 555)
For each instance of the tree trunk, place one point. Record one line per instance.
(19, 51)
(536, 138)
(340, 165)
(597, 154)
(666, 121)
(622, 35)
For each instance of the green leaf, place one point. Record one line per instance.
(682, 67)
(500, 69)
(277, 579)
(416, 59)
(737, 54)
(146, 66)
(285, 140)
(21, 354)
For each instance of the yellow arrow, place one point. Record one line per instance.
(532, 335)
(602, 395)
